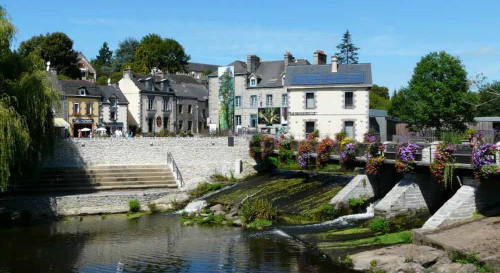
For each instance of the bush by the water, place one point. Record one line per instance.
(380, 225)
(134, 205)
(356, 204)
(205, 188)
(258, 208)
(324, 213)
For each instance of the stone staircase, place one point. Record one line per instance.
(101, 178)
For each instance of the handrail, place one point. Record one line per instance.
(175, 169)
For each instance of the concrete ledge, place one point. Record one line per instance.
(358, 187)
(414, 194)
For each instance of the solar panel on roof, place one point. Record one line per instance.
(326, 79)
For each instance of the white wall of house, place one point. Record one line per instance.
(329, 113)
(131, 92)
(121, 115)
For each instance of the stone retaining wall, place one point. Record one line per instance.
(197, 158)
(80, 204)
(359, 187)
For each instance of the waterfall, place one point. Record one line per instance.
(194, 206)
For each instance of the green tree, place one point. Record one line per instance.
(55, 47)
(489, 100)
(125, 53)
(379, 98)
(102, 62)
(26, 102)
(165, 54)
(226, 100)
(437, 95)
(348, 51)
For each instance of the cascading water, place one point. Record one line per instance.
(194, 206)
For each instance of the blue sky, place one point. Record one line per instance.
(392, 35)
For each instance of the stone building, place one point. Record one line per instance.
(258, 85)
(164, 102)
(328, 97)
(114, 109)
(198, 70)
(86, 69)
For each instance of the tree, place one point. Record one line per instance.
(379, 98)
(226, 100)
(102, 62)
(55, 47)
(348, 51)
(489, 100)
(436, 95)
(26, 101)
(155, 52)
(125, 53)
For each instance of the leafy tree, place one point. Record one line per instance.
(489, 100)
(102, 62)
(436, 95)
(381, 91)
(26, 101)
(55, 47)
(125, 53)
(379, 98)
(226, 100)
(165, 54)
(348, 51)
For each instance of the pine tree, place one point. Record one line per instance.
(348, 51)
(105, 55)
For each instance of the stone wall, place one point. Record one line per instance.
(359, 187)
(414, 194)
(80, 204)
(197, 158)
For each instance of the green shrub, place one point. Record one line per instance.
(204, 188)
(406, 237)
(134, 205)
(256, 147)
(189, 133)
(324, 213)
(356, 204)
(470, 258)
(379, 225)
(258, 208)
(260, 224)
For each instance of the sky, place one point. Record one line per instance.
(391, 35)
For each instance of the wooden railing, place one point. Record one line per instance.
(175, 170)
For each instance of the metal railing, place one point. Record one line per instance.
(175, 170)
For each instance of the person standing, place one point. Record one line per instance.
(79, 133)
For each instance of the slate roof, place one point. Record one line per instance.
(364, 68)
(199, 67)
(181, 85)
(270, 74)
(109, 90)
(487, 119)
(72, 87)
(378, 113)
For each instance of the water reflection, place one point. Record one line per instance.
(152, 243)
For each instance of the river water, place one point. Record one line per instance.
(152, 243)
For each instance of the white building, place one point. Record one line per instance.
(330, 98)
(114, 109)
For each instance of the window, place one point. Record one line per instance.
(349, 100)
(113, 115)
(180, 124)
(112, 102)
(165, 104)
(89, 108)
(238, 101)
(253, 101)
(284, 100)
(204, 113)
(253, 82)
(166, 121)
(309, 127)
(238, 120)
(151, 103)
(180, 109)
(190, 109)
(349, 128)
(82, 91)
(309, 100)
(269, 100)
(76, 108)
(253, 121)
(190, 125)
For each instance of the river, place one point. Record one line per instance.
(152, 243)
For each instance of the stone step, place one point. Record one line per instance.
(97, 188)
(105, 176)
(103, 171)
(93, 184)
(107, 180)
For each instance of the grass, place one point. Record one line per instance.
(293, 165)
(204, 188)
(470, 258)
(384, 239)
(258, 209)
(349, 231)
(134, 215)
(134, 206)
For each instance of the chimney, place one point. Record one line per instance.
(334, 63)
(289, 58)
(253, 62)
(53, 71)
(319, 57)
(127, 72)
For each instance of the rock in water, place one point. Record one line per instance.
(237, 223)
(216, 208)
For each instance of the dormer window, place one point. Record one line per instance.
(82, 91)
(253, 82)
(112, 102)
